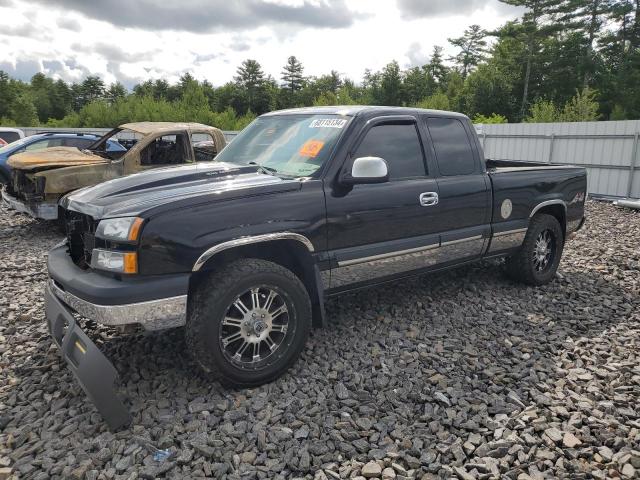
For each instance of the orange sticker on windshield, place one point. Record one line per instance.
(311, 148)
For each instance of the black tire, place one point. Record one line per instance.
(523, 267)
(214, 305)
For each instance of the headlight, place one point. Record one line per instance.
(120, 262)
(125, 229)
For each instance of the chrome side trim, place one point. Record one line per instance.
(507, 240)
(402, 261)
(510, 232)
(548, 202)
(460, 240)
(152, 315)
(382, 256)
(239, 242)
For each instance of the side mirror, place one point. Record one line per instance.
(367, 170)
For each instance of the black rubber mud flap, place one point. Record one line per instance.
(96, 374)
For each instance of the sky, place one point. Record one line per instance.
(134, 40)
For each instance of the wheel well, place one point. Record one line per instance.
(557, 211)
(291, 254)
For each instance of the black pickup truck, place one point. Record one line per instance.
(302, 205)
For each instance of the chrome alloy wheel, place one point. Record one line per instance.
(254, 327)
(543, 251)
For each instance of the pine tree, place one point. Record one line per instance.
(251, 81)
(586, 17)
(473, 48)
(291, 75)
(436, 67)
(115, 92)
(537, 23)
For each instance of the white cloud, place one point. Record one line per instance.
(70, 44)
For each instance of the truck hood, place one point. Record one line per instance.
(179, 186)
(53, 157)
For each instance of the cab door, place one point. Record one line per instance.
(464, 190)
(378, 231)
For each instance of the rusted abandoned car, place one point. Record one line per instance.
(39, 179)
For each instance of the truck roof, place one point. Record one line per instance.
(151, 127)
(369, 110)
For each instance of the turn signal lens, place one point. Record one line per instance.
(119, 262)
(134, 231)
(130, 262)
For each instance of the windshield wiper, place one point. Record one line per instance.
(267, 170)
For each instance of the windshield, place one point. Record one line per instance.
(115, 143)
(292, 145)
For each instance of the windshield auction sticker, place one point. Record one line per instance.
(311, 148)
(328, 123)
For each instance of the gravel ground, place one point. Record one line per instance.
(463, 374)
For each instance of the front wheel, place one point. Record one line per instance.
(537, 260)
(249, 322)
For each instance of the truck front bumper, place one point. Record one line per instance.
(155, 303)
(43, 210)
(91, 368)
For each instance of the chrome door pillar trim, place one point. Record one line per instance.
(546, 203)
(239, 242)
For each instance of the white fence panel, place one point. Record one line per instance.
(608, 150)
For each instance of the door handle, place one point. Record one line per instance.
(428, 199)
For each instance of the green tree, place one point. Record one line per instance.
(494, 118)
(115, 92)
(7, 94)
(586, 17)
(24, 113)
(92, 89)
(583, 107)
(537, 24)
(473, 47)
(543, 111)
(390, 91)
(251, 81)
(292, 77)
(418, 83)
(437, 101)
(436, 67)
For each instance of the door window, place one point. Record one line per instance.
(204, 147)
(399, 145)
(46, 143)
(165, 150)
(451, 143)
(79, 142)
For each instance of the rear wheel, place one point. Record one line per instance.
(537, 260)
(249, 322)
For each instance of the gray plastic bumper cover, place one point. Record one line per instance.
(92, 369)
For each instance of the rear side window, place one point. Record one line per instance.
(452, 146)
(204, 147)
(399, 145)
